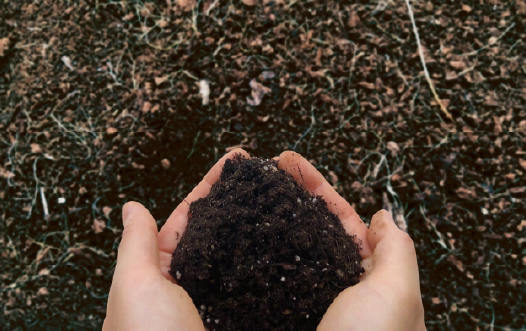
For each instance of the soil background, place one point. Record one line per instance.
(100, 104)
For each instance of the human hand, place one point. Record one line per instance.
(143, 295)
(388, 295)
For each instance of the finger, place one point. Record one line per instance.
(138, 248)
(173, 229)
(314, 182)
(165, 261)
(394, 255)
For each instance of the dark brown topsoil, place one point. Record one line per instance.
(259, 250)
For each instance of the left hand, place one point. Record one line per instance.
(143, 295)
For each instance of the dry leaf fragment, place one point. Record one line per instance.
(106, 211)
(457, 263)
(162, 24)
(393, 148)
(186, 5)
(522, 163)
(42, 253)
(369, 86)
(204, 91)
(160, 80)
(146, 107)
(165, 163)
(44, 272)
(519, 189)
(267, 75)
(128, 17)
(249, 2)
(35, 148)
(466, 8)
(42, 291)
(67, 62)
(98, 225)
(111, 130)
(354, 20)
(258, 91)
(457, 64)
(4, 44)
(155, 108)
(466, 193)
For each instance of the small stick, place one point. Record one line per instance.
(491, 43)
(421, 52)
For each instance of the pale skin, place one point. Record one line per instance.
(143, 296)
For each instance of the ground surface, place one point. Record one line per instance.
(99, 105)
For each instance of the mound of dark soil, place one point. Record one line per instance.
(259, 250)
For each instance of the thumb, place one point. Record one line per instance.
(138, 248)
(393, 250)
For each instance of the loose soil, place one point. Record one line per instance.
(260, 250)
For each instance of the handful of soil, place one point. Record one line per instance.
(260, 252)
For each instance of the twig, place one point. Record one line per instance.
(44, 203)
(313, 122)
(422, 58)
(490, 43)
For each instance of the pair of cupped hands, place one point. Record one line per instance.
(143, 295)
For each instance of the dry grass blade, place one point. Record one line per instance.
(422, 58)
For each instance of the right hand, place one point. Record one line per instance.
(388, 295)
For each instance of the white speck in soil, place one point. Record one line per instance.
(307, 316)
(217, 321)
(203, 307)
(297, 258)
(299, 200)
(282, 279)
(293, 215)
(314, 200)
(178, 275)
